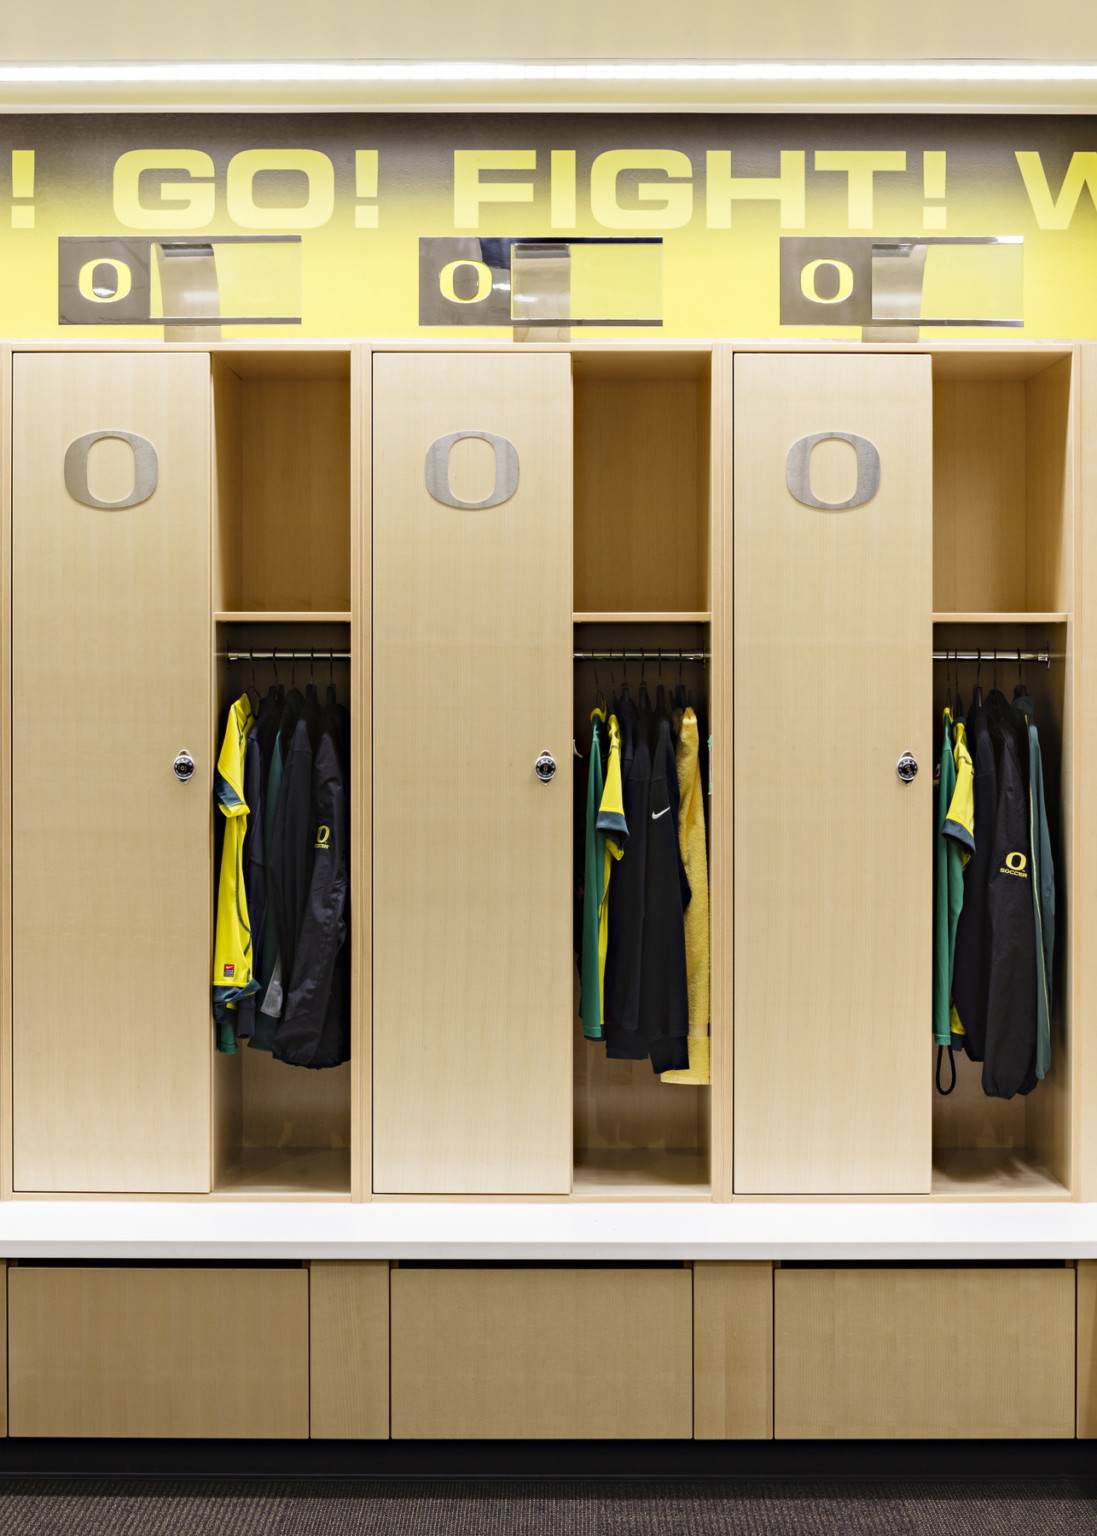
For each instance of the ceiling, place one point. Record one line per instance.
(567, 30)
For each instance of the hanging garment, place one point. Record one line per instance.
(251, 861)
(624, 1041)
(232, 970)
(1009, 1063)
(289, 855)
(272, 992)
(594, 877)
(969, 976)
(1043, 882)
(256, 769)
(960, 829)
(626, 902)
(664, 988)
(954, 844)
(694, 851)
(315, 1027)
(612, 824)
(580, 770)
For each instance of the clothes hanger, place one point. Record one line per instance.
(644, 701)
(253, 687)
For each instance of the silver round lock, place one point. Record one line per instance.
(545, 767)
(906, 767)
(183, 767)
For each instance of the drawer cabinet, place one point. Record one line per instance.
(542, 1354)
(941, 1354)
(205, 1353)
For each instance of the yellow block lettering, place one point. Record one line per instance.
(191, 203)
(240, 196)
(562, 182)
(860, 166)
(722, 188)
(469, 191)
(1057, 212)
(671, 202)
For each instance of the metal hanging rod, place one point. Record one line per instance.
(1043, 658)
(667, 656)
(317, 655)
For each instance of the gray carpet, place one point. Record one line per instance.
(43, 1507)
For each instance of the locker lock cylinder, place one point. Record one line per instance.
(906, 767)
(545, 767)
(183, 767)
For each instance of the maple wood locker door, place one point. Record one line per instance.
(832, 850)
(110, 851)
(472, 676)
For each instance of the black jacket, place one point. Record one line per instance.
(969, 978)
(626, 893)
(1009, 1065)
(664, 993)
(314, 1030)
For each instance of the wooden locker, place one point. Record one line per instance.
(472, 680)
(110, 851)
(832, 861)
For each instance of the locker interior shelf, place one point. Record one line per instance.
(698, 617)
(993, 1173)
(283, 1173)
(640, 1174)
(1000, 618)
(258, 616)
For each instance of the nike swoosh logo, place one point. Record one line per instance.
(664, 812)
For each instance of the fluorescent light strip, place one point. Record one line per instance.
(441, 71)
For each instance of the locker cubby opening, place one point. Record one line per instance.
(280, 1131)
(642, 433)
(1002, 482)
(1020, 1148)
(282, 482)
(634, 1136)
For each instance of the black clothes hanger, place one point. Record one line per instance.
(680, 690)
(644, 701)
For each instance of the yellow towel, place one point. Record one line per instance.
(691, 840)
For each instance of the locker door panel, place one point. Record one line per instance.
(110, 852)
(832, 678)
(472, 854)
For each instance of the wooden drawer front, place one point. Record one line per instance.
(159, 1352)
(514, 1354)
(893, 1354)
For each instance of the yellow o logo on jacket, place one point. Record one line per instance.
(323, 835)
(1015, 861)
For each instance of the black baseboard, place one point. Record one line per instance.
(538, 1459)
